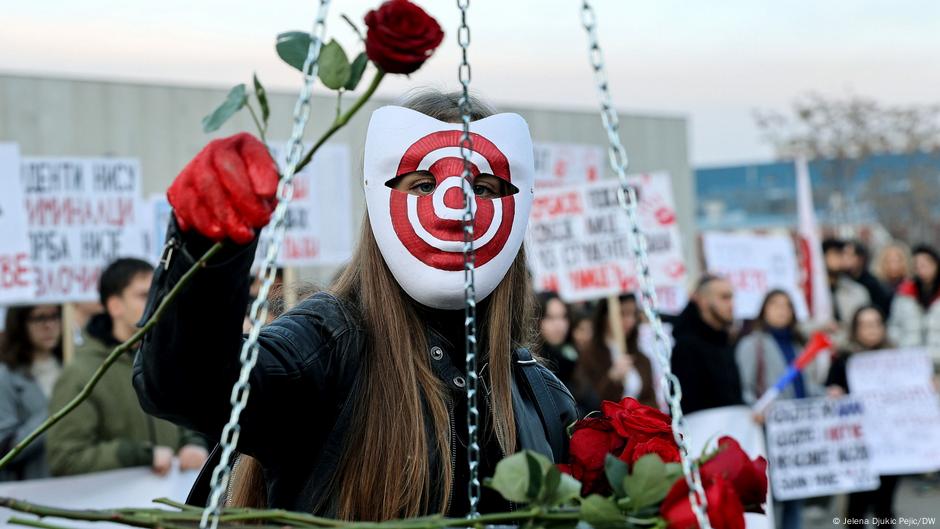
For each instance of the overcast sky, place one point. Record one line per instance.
(713, 62)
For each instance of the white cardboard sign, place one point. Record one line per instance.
(902, 419)
(16, 273)
(578, 241)
(82, 214)
(754, 264)
(818, 447)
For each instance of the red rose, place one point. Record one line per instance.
(591, 441)
(724, 508)
(629, 418)
(401, 36)
(732, 464)
(664, 447)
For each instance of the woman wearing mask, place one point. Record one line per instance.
(358, 399)
(618, 370)
(867, 333)
(763, 356)
(30, 362)
(915, 311)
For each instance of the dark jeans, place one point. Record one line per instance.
(880, 501)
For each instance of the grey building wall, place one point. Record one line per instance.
(161, 125)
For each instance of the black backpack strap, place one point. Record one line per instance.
(544, 402)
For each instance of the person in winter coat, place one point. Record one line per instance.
(358, 397)
(30, 363)
(763, 356)
(857, 263)
(847, 295)
(867, 333)
(110, 430)
(703, 357)
(556, 347)
(915, 311)
(618, 370)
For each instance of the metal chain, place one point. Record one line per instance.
(627, 197)
(469, 263)
(259, 309)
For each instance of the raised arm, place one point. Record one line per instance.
(188, 362)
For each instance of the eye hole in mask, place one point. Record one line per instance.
(422, 183)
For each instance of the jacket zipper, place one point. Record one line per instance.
(502, 452)
(453, 452)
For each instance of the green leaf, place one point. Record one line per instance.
(649, 483)
(234, 101)
(356, 70)
(568, 489)
(292, 47)
(511, 478)
(601, 512)
(262, 96)
(334, 69)
(673, 471)
(535, 476)
(550, 483)
(615, 470)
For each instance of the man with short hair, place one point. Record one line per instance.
(109, 430)
(703, 357)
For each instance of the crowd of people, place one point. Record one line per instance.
(718, 361)
(892, 302)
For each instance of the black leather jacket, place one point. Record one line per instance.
(303, 386)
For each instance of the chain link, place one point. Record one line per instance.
(469, 262)
(259, 309)
(627, 197)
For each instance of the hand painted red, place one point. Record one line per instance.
(227, 190)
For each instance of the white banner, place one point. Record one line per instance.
(817, 448)
(578, 246)
(754, 264)
(568, 163)
(319, 225)
(902, 418)
(704, 428)
(128, 487)
(16, 273)
(82, 214)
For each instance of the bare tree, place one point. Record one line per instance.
(847, 135)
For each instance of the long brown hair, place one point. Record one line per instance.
(16, 349)
(385, 471)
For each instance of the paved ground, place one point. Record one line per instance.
(917, 504)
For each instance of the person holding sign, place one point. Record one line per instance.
(764, 356)
(618, 370)
(867, 332)
(359, 392)
(110, 430)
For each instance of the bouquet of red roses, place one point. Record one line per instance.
(624, 471)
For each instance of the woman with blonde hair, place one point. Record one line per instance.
(358, 399)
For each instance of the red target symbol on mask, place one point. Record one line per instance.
(431, 226)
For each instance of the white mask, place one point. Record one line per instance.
(421, 237)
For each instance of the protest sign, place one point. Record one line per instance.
(754, 264)
(128, 487)
(82, 215)
(568, 163)
(318, 222)
(16, 274)
(704, 428)
(578, 246)
(902, 419)
(817, 448)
